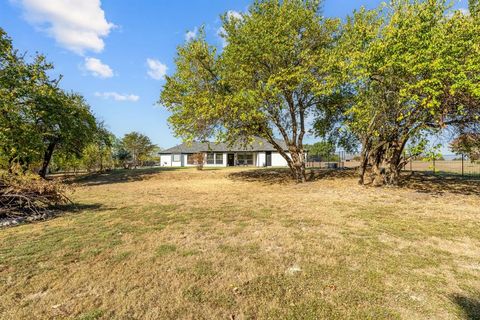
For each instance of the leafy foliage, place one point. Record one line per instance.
(37, 118)
(468, 144)
(414, 68)
(275, 71)
(139, 146)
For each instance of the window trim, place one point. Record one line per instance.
(212, 160)
(219, 158)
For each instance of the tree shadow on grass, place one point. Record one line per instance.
(283, 175)
(469, 306)
(118, 176)
(420, 182)
(79, 207)
(440, 184)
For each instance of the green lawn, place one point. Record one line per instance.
(225, 244)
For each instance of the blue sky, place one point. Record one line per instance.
(116, 53)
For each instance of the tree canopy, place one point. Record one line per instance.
(275, 71)
(414, 68)
(37, 117)
(139, 146)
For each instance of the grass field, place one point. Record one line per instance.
(230, 244)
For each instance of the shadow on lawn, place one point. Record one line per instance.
(420, 182)
(79, 207)
(439, 184)
(469, 306)
(118, 176)
(283, 176)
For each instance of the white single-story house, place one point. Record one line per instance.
(260, 153)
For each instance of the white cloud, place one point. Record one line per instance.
(98, 68)
(156, 69)
(221, 35)
(117, 96)
(234, 14)
(77, 25)
(231, 14)
(464, 11)
(192, 34)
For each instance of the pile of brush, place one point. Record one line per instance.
(23, 195)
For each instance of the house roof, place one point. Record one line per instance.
(257, 145)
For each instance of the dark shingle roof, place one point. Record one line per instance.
(257, 145)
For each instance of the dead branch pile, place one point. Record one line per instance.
(25, 195)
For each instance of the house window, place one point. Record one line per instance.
(214, 158)
(210, 158)
(245, 159)
(176, 158)
(218, 158)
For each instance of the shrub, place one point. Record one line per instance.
(199, 160)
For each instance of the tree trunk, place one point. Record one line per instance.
(296, 161)
(363, 163)
(298, 170)
(376, 159)
(47, 157)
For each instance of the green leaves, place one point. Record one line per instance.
(35, 114)
(275, 67)
(139, 146)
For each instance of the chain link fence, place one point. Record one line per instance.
(452, 164)
(446, 164)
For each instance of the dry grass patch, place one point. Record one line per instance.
(246, 244)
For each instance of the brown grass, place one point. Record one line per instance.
(225, 244)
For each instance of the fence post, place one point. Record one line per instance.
(434, 165)
(411, 160)
(462, 165)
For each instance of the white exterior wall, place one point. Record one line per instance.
(261, 159)
(166, 160)
(176, 163)
(278, 160)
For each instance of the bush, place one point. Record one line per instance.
(199, 160)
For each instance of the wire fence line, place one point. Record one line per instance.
(456, 164)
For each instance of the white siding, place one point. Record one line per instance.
(225, 159)
(261, 159)
(176, 163)
(166, 160)
(278, 160)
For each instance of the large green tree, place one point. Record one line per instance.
(414, 68)
(38, 118)
(66, 125)
(274, 73)
(474, 7)
(20, 82)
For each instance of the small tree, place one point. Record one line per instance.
(199, 160)
(469, 144)
(324, 149)
(139, 146)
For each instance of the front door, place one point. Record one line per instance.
(231, 160)
(268, 156)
